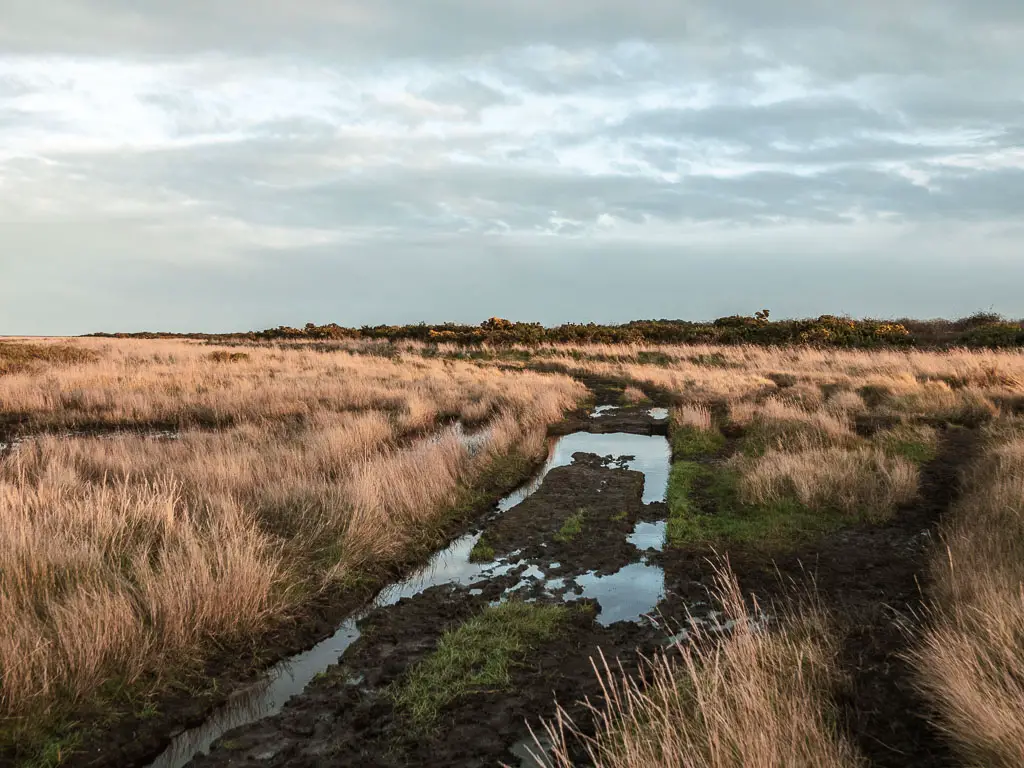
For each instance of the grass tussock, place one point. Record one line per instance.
(863, 484)
(477, 656)
(758, 698)
(634, 396)
(970, 658)
(128, 561)
(572, 527)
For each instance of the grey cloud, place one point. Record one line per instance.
(887, 132)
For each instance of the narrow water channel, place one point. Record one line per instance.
(623, 596)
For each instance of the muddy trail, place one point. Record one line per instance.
(577, 534)
(587, 533)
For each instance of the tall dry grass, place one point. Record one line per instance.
(864, 482)
(757, 698)
(970, 659)
(127, 559)
(701, 373)
(184, 384)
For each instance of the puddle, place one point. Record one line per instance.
(649, 454)
(601, 410)
(648, 536)
(625, 595)
(658, 413)
(449, 566)
(284, 681)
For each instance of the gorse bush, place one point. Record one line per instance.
(978, 330)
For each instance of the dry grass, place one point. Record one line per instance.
(970, 660)
(694, 416)
(127, 559)
(862, 483)
(755, 699)
(179, 384)
(634, 395)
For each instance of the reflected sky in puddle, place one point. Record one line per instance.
(602, 410)
(281, 683)
(625, 595)
(648, 536)
(649, 454)
(658, 413)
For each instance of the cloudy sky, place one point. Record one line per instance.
(229, 164)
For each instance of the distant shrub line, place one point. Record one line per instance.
(981, 329)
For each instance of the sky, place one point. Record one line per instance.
(220, 165)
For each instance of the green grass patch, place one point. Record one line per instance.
(916, 443)
(572, 527)
(690, 442)
(482, 551)
(476, 657)
(729, 521)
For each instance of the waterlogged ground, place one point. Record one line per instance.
(583, 546)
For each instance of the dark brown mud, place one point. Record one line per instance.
(348, 718)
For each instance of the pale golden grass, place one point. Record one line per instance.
(696, 416)
(970, 659)
(634, 395)
(757, 698)
(742, 371)
(126, 559)
(105, 582)
(863, 482)
(792, 428)
(845, 404)
(179, 384)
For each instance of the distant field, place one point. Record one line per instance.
(173, 511)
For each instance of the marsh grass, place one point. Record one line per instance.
(572, 527)
(20, 356)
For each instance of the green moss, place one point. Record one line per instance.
(572, 527)
(620, 516)
(690, 442)
(722, 519)
(482, 552)
(54, 753)
(475, 657)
